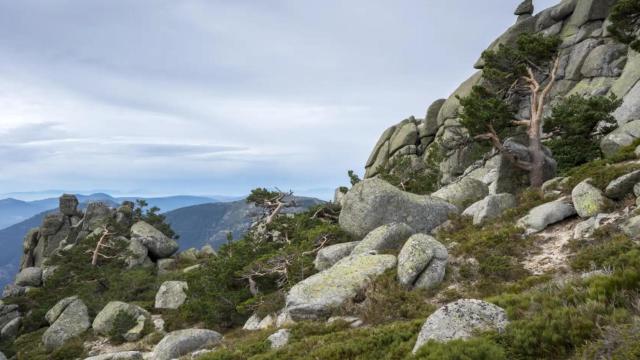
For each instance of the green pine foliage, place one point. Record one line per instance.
(625, 22)
(488, 108)
(353, 177)
(402, 174)
(578, 124)
(220, 295)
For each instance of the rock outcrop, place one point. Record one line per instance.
(373, 202)
(490, 207)
(159, 245)
(386, 237)
(330, 255)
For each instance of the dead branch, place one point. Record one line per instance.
(102, 243)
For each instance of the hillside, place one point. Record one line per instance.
(210, 223)
(504, 225)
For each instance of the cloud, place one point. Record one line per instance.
(220, 96)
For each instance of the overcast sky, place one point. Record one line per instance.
(217, 97)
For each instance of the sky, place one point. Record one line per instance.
(203, 97)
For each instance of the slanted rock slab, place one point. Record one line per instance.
(386, 237)
(330, 255)
(183, 342)
(318, 295)
(72, 322)
(374, 202)
(460, 320)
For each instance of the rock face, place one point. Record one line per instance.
(31, 276)
(459, 320)
(422, 262)
(386, 237)
(490, 207)
(183, 342)
(373, 202)
(72, 322)
(591, 63)
(158, 244)
(63, 228)
(171, 295)
(104, 322)
(318, 295)
(547, 214)
(622, 186)
(588, 200)
(463, 193)
(330, 255)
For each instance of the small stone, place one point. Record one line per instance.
(279, 339)
(171, 295)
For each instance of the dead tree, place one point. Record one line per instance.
(103, 243)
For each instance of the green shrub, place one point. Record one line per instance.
(578, 124)
(121, 324)
(625, 22)
(473, 349)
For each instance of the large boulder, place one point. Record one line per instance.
(460, 320)
(386, 237)
(10, 330)
(374, 202)
(318, 295)
(171, 295)
(184, 342)
(490, 207)
(547, 214)
(622, 186)
(330, 255)
(463, 193)
(31, 276)
(623, 136)
(631, 227)
(588, 200)
(422, 262)
(159, 245)
(72, 322)
(104, 322)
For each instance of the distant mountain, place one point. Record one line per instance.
(13, 211)
(209, 223)
(197, 225)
